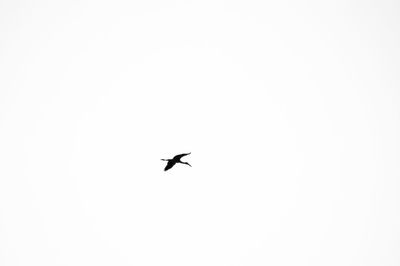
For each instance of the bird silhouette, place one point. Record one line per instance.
(175, 160)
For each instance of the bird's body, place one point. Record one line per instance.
(175, 160)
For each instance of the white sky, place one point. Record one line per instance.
(291, 111)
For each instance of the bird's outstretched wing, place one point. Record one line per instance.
(178, 157)
(169, 165)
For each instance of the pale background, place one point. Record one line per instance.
(291, 110)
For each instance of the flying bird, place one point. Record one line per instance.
(175, 160)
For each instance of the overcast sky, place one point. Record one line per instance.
(291, 110)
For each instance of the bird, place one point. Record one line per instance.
(175, 160)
